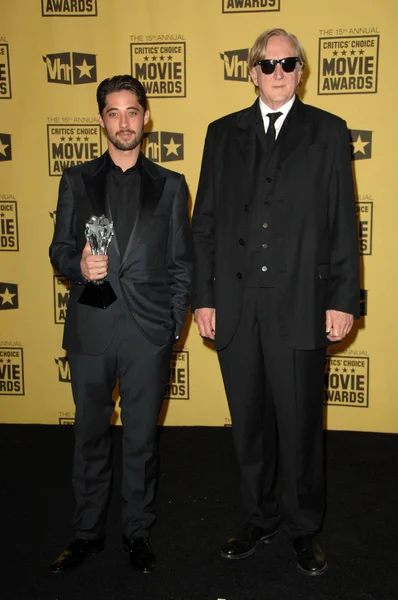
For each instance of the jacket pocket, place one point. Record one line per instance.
(318, 146)
(159, 294)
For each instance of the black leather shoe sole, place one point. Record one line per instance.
(267, 539)
(312, 573)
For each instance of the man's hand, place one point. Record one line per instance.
(338, 324)
(93, 266)
(206, 321)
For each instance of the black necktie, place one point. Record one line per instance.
(271, 133)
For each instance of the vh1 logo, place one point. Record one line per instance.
(235, 65)
(71, 68)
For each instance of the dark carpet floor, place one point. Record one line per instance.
(198, 503)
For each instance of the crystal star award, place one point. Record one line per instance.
(99, 232)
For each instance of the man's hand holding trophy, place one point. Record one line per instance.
(94, 263)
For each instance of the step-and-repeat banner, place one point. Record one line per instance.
(191, 57)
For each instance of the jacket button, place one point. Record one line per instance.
(268, 179)
(242, 242)
(267, 203)
(265, 225)
(239, 275)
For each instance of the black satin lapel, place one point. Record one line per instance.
(113, 243)
(96, 189)
(294, 131)
(151, 192)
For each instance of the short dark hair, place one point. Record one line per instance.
(117, 84)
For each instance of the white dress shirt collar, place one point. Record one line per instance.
(279, 122)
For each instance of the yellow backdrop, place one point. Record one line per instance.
(191, 57)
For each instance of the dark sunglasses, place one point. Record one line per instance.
(268, 64)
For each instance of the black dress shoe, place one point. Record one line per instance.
(244, 544)
(311, 559)
(75, 554)
(141, 554)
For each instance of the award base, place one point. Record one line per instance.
(98, 296)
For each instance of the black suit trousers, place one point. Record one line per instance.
(275, 397)
(143, 370)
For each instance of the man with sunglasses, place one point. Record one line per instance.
(276, 280)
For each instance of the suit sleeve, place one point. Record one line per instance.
(203, 227)
(64, 254)
(344, 261)
(179, 256)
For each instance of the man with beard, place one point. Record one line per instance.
(149, 268)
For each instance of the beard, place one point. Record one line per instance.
(127, 145)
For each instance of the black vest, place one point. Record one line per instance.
(266, 235)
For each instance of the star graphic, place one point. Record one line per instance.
(7, 297)
(84, 69)
(335, 53)
(146, 57)
(337, 369)
(352, 370)
(170, 57)
(62, 139)
(352, 52)
(153, 57)
(359, 145)
(3, 148)
(172, 147)
(78, 139)
(70, 139)
(343, 52)
(1, 360)
(86, 139)
(162, 58)
(361, 51)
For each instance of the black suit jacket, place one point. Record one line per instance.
(153, 276)
(315, 208)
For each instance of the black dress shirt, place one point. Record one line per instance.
(123, 191)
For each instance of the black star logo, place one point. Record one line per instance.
(78, 139)
(343, 52)
(62, 139)
(337, 369)
(361, 52)
(1, 360)
(146, 57)
(352, 370)
(86, 139)
(335, 53)
(344, 370)
(153, 57)
(70, 139)
(162, 58)
(352, 52)
(170, 57)
(2, 215)
(8, 360)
